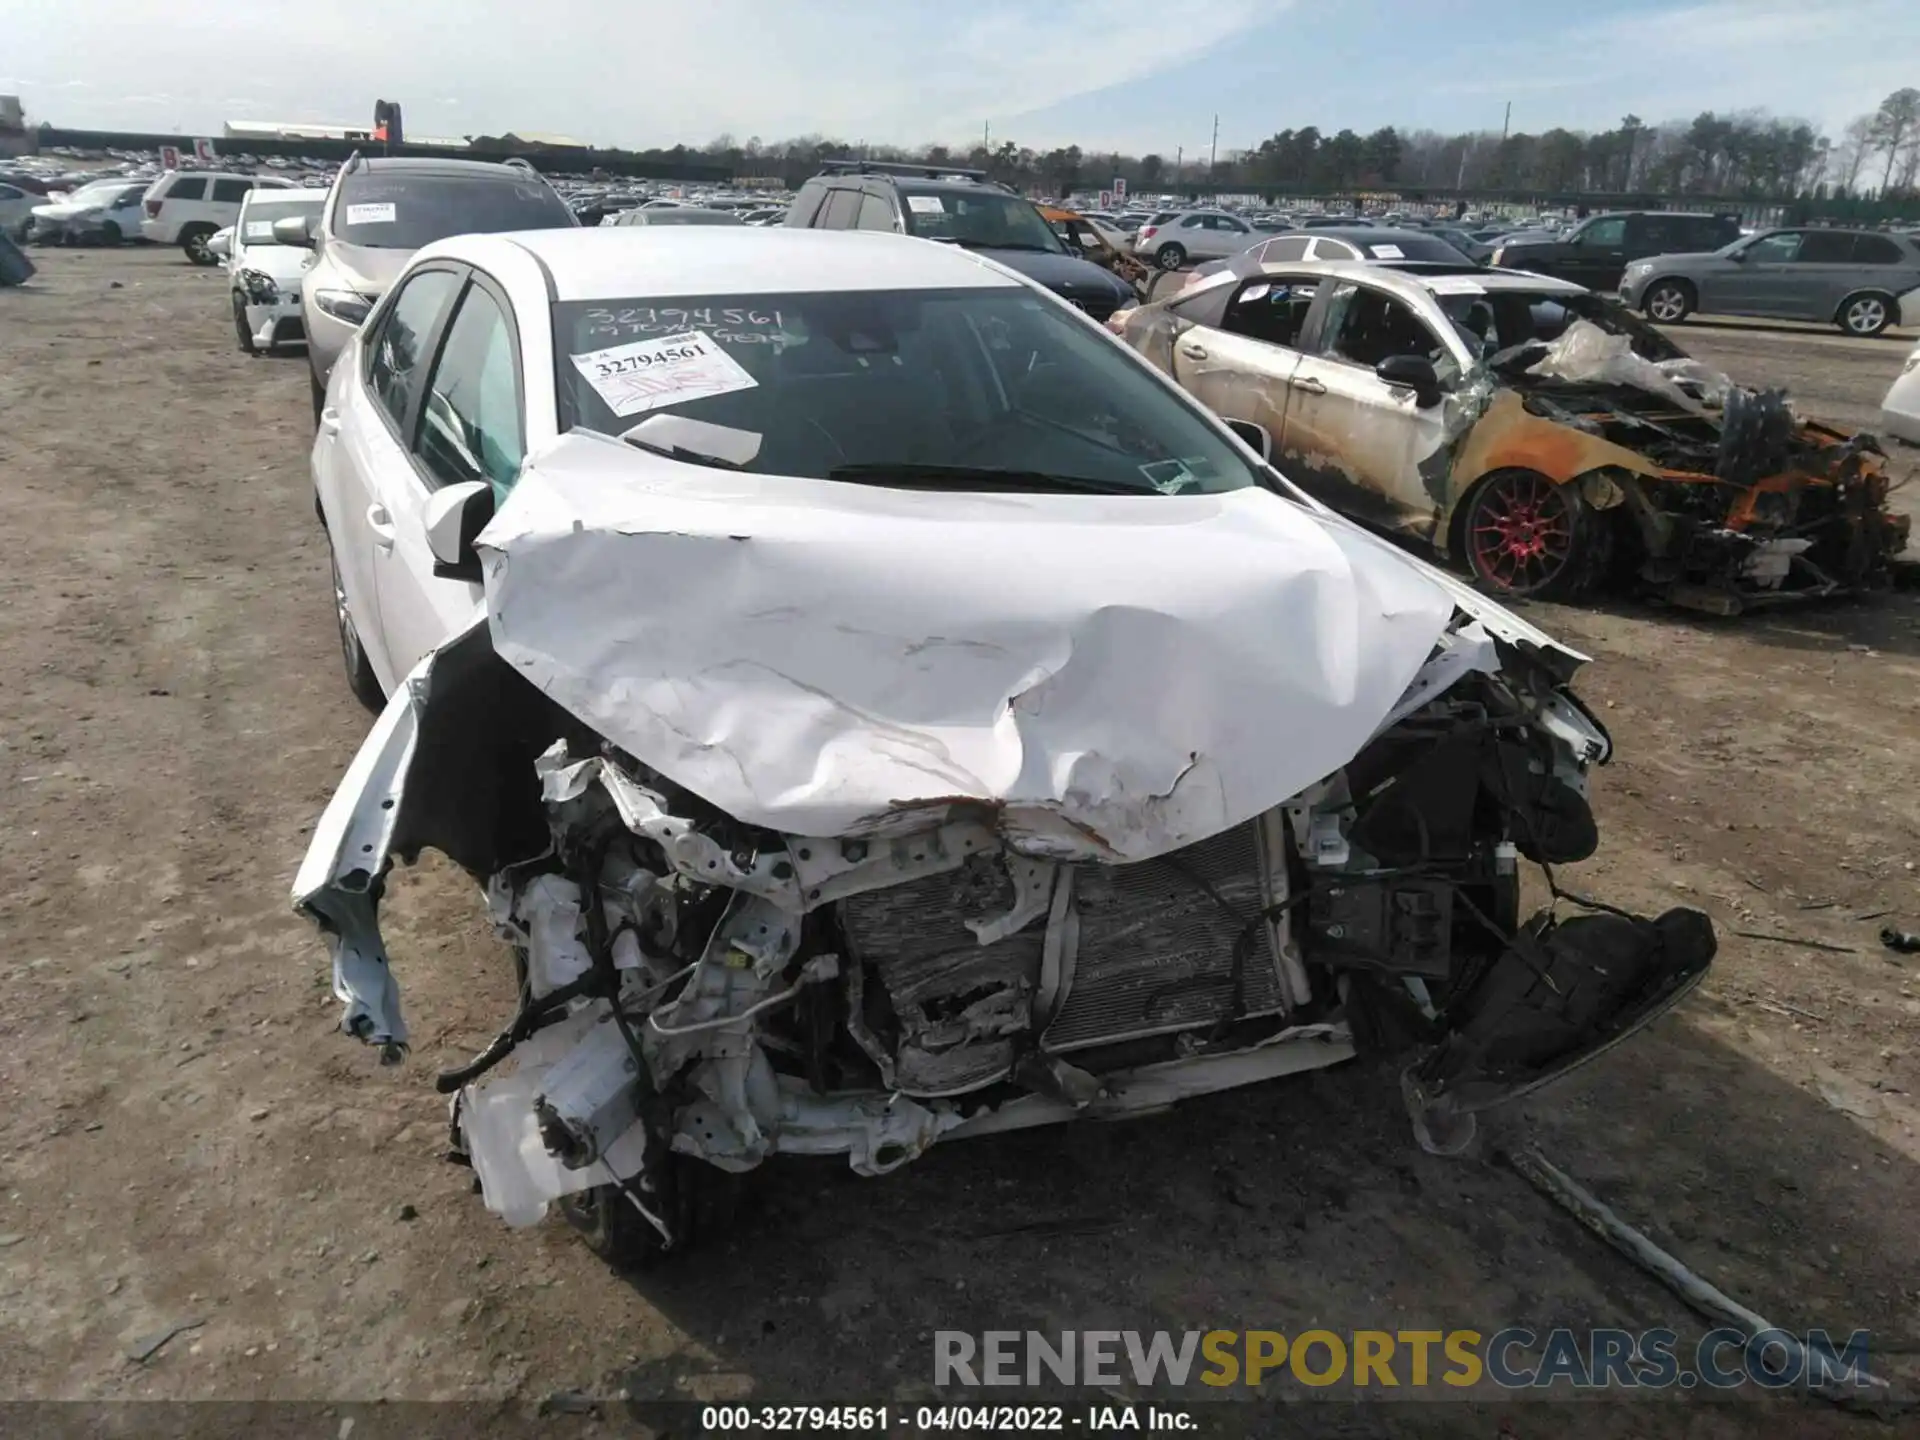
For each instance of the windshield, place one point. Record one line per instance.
(988, 218)
(1499, 325)
(820, 384)
(264, 207)
(397, 210)
(98, 191)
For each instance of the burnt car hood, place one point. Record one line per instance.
(1113, 677)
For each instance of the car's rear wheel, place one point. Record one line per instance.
(240, 329)
(1865, 315)
(360, 677)
(1170, 256)
(1668, 302)
(193, 241)
(1529, 538)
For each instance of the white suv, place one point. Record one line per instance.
(185, 207)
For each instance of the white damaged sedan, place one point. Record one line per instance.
(879, 709)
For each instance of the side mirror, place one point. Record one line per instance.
(456, 514)
(295, 230)
(1412, 372)
(1255, 436)
(220, 244)
(1739, 257)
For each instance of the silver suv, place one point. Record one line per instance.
(1851, 278)
(1173, 240)
(380, 211)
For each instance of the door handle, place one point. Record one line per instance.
(1310, 385)
(381, 524)
(329, 421)
(1194, 352)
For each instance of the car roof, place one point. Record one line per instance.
(434, 165)
(611, 263)
(1409, 283)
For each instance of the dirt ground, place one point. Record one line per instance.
(186, 1137)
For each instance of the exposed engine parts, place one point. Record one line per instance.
(698, 995)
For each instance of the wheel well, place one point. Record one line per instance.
(1680, 280)
(195, 227)
(1862, 293)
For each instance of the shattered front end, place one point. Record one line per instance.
(698, 995)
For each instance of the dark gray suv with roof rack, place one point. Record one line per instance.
(958, 207)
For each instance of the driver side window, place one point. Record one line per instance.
(470, 423)
(397, 356)
(1605, 233)
(1364, 327)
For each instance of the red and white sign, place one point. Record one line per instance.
(1106, 199)
(203, 151)
(169, 157)
(1120, 188)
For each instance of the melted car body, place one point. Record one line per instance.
(1539, 432)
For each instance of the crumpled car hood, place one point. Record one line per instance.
(1116, 677)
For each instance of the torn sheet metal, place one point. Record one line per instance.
(1118, 677)
(1584, 352)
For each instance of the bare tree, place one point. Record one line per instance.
(1850, 155)
(1893, 125)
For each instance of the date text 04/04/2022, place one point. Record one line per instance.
(983, 1419)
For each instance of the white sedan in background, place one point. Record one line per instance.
(882, 710)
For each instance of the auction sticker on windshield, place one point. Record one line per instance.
(650, 373)
(926, 205)
(259, 230)
(381, 213)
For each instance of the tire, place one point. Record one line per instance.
(193, 243)
(1668, 302)
(247, 347)
(110, 234)
(360, 677)
(1170, 256)
(1865, 315)
(1527, 538)
(701, 1200)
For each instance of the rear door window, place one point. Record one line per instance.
(875, 213)
(230, 192)
(1272, 311)
(188, 187)
(1825, 247)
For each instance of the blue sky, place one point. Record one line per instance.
(1042, 72)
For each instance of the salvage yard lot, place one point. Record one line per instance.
(190, 1139)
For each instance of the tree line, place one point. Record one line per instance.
(1751, 154)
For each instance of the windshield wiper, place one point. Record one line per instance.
(682, 453)
(973, 477)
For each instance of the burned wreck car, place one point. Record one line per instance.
(1538, 432)
(834, 799)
